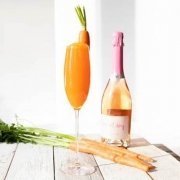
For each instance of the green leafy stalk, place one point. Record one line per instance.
(81, 13)
(15, 133)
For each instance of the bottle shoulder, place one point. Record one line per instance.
(116, 94)
(118, 84)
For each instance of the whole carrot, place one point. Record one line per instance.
(83, 34)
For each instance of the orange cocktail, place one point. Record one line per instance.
(77, 74)
(76, 81)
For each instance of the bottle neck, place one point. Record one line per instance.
(118, 61)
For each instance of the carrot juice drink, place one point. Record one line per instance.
(77, 74)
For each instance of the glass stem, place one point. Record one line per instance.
(77, 132)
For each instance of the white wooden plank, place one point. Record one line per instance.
(32, 162)
(168, 168)
(176, 150)
(149, 150)
(121, 172)
(62, 155)
(102, 161)
(169, 151)
(6, 154)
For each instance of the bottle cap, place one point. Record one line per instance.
(118, 39)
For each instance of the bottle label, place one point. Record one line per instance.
(115, 127)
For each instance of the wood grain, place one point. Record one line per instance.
(121, 172)
(168, 168)
(36, 162)
(149, 150)
(6, 156)
(169, 151)
(32, 162)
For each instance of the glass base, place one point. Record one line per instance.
(119, 142)
(77, 169)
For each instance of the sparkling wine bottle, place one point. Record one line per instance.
(116, 101)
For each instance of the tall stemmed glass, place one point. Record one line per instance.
(77, 82)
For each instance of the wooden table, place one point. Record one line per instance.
(37, 162)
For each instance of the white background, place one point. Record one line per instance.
(157, 70)
(33, 37)
(27, 65)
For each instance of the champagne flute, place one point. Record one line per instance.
(77, 82)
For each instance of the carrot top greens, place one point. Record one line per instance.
(15, 133)
(81, 13)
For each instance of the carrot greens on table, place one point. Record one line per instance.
(16, 133)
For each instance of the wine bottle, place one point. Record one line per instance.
(116, 101)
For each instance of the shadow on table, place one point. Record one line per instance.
(164, 148)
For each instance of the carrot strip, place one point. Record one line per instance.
(115, 150)
(119, 150)
(110, 155)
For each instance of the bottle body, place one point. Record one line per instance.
(116, 113)
(116, 105)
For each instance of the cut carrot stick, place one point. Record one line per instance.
(110, 155)
(119, 150)
(116, 150)
(84, 34)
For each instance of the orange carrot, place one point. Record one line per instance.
(119, 150)
(84, 34)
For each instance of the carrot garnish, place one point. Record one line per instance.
(84, 34)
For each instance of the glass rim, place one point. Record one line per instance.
(78, 45)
